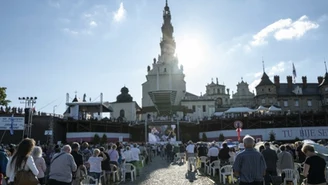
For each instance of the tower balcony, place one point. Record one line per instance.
(163, 101)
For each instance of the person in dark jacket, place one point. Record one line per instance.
(271, 159)
(224, 154)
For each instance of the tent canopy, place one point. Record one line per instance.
(239, 110)
(262, 108)
(274, 109)
(218, 114)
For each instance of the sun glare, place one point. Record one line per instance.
(190, 52)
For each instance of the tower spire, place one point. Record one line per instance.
(167, 42)
(263, 65)
(325, 64)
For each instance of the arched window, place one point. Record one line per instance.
(122, 113)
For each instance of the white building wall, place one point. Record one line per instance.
(129, 110)
(199, 113)
(175, 81)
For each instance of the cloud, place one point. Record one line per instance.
(276, 69)
(120, 13)
(284, 29)
(93, 24)
(69, 31)
(323, 18)
(54, 3)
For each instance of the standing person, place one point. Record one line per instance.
(271, 159)
(81, 169)
(95, 164)
(249, 165)
(285, 159)
(62, 166)
(314, 167)
(3, 163)
(40, 163)
(224, 154)
(169, 151)
(22, 159)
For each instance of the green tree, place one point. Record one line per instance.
(221, 137)
(3, 97)
(103, 139)
(297, 139)
(272, 136)
(204, 137)
(96, 139)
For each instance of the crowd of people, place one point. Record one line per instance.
(252, 163)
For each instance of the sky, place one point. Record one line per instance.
(52, 47)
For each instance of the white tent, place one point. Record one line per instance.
(218, 114)
(239, 110)
(261, 108)
(274, 109)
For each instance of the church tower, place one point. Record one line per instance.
(165, 74)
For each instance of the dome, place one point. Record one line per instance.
(124, 96)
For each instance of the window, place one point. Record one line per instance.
(309, 103)
(204, 108)
(164, 69)
(194, 108)
(285, 103)
(296, 103)
(263, 101)
(269, 90)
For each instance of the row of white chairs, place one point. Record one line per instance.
(128, 168)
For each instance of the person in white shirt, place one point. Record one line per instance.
(95, 164)
(213, 153)
(127, 154)
(22, 159)
(135, 152)
(190, 150)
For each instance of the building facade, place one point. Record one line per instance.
(125, 109)
(165, 74)
(292, 97)
(243, 97)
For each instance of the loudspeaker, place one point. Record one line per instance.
(27, 115)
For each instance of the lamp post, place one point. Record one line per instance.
(51, 126)
(29, 111)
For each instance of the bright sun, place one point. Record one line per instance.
(190, 52)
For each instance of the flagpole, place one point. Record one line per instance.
(3, 136)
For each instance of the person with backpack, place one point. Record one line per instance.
(21, 163)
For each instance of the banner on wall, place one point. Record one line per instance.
(17, 123)
(280, 133)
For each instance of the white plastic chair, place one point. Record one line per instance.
(114, 170)
(130, 168)
(298, 166)
(142, 159)
(226, 171)
(203, 160)
(191, 162)
(90, 181)
(213, 166)
(290, 175)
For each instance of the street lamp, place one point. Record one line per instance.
(29, 103)
(51, 126)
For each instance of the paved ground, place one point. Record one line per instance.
(160, 172)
